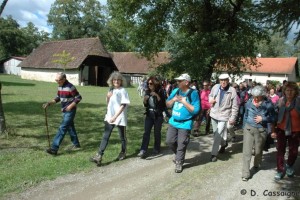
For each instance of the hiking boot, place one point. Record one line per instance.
(178, 167)
(289, 171)
(142, 154)
(74, 148)
(51, 151)
(96, 159)
(213, 158)
(278, 176)
(122, 156)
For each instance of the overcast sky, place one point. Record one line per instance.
(35, 11)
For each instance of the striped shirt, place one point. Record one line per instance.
(67, 94)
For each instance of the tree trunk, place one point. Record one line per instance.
(2, 118)
(3, 6)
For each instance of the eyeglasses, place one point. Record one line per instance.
(150, 83)
(57, 80)
(205, 85)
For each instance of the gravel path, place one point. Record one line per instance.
(154, 178)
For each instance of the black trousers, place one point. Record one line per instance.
(107, 132)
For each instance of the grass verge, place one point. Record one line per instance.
(23, 162)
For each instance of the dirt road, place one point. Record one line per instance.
(154, 178)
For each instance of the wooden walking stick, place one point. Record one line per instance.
(46, 121)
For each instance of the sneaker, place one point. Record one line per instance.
(74, 148)
(122, 156)
(142, 154)
(178, 167)
(278, 176)
(213, 158)
(51, 151)
(289, 171)
(96, 159)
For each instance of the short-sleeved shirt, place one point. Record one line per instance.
(119, 97)
(180, 113)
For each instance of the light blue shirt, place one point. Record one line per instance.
(181, 116)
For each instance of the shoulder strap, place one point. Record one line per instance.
(189, 95)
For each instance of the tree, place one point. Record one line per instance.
(276, 46)
(3, 6)
(65, 18)
(33, 38)
(279, 15)
(11, 37)
(73, 19)
(16, 41)
(2, 118)
(202, 36)
(63, 58)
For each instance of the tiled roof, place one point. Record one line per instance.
(42, 57)
(275, 65)
(133, 63)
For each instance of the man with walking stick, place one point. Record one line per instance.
(69, 98)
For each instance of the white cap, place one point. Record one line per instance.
(184, 77)
(224, 76)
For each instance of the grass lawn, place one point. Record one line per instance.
(23, 162)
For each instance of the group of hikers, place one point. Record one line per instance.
(263, 112)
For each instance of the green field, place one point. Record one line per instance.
(23, 162)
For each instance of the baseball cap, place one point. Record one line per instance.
(183, 77)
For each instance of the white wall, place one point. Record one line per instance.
(10, 67)
(263, 78)
(49, 75)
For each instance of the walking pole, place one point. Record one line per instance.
(46, 121)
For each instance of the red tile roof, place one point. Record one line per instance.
(134, 63)
(275, 65)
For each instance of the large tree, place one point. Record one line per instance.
(73, 19)
(198, 34)
(280, 15)
(17, 41)
(11, 37)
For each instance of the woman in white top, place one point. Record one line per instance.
(117, 102)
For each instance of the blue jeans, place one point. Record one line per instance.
(149, 123)
(67, 125)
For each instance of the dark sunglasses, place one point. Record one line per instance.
(150, 83)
